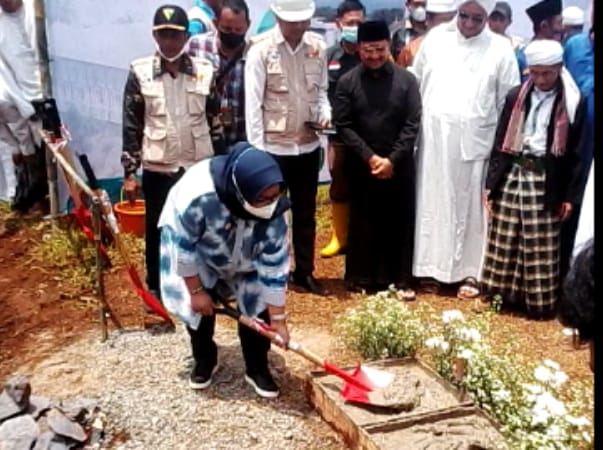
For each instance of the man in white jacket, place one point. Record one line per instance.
(19, 85)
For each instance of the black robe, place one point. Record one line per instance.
(379, 112)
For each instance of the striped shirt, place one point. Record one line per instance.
(232, 95)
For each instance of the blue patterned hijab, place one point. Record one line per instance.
(254, 171)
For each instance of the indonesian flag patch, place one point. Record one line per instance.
(334, 65)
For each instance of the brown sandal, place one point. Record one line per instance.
(469, 289)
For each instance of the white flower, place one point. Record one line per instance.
(552, 364)
(502, 395)
(470, 334)
(541, 416)
(554, 431)
(559, 378)
(542, 374)
(437, 342)
(578, 421)
(433, 342)
(546, 401)
(533, 388)
(466, 354)
(586, 437)
(453, 314)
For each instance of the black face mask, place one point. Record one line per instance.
(231, 40)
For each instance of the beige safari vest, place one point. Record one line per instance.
(292, 87)
(176, 132)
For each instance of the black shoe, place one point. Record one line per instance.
(307, 282)
(263, 383)
(201, 375)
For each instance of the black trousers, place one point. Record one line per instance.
(255, 347)
(155, 187)
(301, 175)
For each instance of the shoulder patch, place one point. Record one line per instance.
(142, 61)
(259, 37)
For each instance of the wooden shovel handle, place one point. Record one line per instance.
(309, 355)
(267, 332)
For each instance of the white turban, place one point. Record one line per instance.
(572, 15)
(441, 6)
(487, 5)
(543, 52)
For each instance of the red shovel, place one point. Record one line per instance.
(358, 385)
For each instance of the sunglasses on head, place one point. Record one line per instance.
(476, 19)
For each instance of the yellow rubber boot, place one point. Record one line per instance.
(340, 215)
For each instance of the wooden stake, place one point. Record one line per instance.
(100, 287)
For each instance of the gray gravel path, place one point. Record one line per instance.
(140, 379)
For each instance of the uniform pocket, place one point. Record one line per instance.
(275, 121)
(276, 82)
(154, 145)
(195, 101)
(201, 142)
(154, 99)
(313, 72)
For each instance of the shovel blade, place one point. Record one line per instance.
(373, 379)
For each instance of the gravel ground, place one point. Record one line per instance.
(140, 379)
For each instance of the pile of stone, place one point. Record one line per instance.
(39, 423)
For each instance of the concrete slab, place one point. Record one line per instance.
(442, 410)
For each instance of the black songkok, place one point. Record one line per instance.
(544, 10)
(373, 31)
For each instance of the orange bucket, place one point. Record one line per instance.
(131, 217)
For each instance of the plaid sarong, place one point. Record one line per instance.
(522, 256)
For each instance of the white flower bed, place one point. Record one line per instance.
(525, 398)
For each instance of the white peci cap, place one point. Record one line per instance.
(572, 15)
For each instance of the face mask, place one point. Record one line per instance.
(418, 14)
(262, 212)
(173, 58)
(349, 34)
(231, 40)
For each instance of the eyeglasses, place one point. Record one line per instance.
(475, 19)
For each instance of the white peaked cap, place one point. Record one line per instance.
(488, 5)
(543, 52)
(293, 10)
(572, 15)
(441, 6)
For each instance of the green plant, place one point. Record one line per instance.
(525, 398)
(382, 327)
(71, 256)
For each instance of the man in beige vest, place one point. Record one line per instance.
(286, 87)
(165, 125)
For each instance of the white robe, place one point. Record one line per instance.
(463, 87)
(19, 85)
(586, 222)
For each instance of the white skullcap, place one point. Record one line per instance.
(441, 6)
(488, 5)
(572, 15)
(543, 52)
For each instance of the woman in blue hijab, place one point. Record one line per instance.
(223, 224)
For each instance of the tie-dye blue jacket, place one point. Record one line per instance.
(200, 236)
